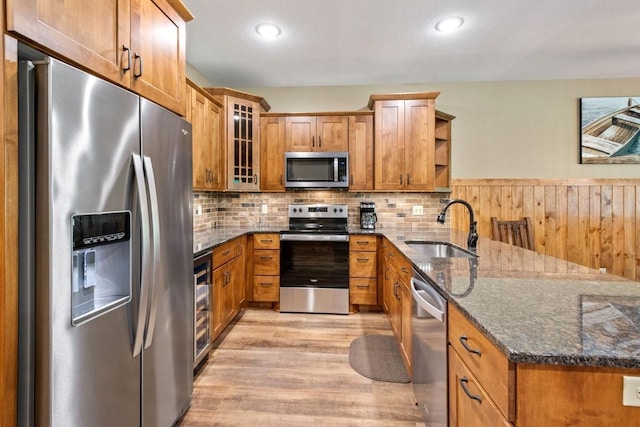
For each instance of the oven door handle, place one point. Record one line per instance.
(312, 237)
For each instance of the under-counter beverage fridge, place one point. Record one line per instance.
(106, 292)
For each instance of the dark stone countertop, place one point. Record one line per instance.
(535, 308)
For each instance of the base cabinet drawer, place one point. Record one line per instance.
(266, 262)
(362, 264)
(363, 291)
(488, 364)
(469, 405)
(266, 288)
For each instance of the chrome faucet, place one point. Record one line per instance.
(472, 239)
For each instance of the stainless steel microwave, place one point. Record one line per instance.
(316, 169)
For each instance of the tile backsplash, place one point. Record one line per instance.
(220, 209)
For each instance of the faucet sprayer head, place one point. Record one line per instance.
(441, 218)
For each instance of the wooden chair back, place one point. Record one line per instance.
(518, 232)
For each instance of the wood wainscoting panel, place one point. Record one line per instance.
(591, 222)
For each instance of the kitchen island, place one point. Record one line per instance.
(568, 333)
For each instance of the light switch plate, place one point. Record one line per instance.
(631, 391)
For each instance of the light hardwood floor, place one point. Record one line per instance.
(287, 369)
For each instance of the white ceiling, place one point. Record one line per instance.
(352, 42)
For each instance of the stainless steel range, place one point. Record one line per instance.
(314, 260)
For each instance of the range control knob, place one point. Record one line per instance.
(341, 210)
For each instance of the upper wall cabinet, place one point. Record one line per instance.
(241, 131)
(272, 131)
(139, 44)
(404, 141)
(206, 116)
(361, 152)
(443, 150)
(317, 133)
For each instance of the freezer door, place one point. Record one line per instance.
(167, 381)
(87, 130)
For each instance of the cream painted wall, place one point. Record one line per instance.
(510, 129)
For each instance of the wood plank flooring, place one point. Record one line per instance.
(288, 369)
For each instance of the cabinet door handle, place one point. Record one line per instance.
(138, 59)
(281, 183)
(128, 52)
(408, 179)
(463, 384)
(463, 341)
(351, 183)
(395, 290)
(319, 141)
(255, 179)
(266, 258)
(400, 179)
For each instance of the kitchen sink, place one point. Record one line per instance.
(439, 249)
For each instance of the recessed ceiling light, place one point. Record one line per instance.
(449, 24)
(268, 31)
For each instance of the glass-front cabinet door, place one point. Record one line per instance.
(244, 149)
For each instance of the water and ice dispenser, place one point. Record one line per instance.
(101, 264)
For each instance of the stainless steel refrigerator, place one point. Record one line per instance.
(106, 294)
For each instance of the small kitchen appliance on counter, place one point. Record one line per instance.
(368, 215)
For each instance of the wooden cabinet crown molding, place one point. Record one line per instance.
(401, 97)
(321, 114)
(219, 92)
(181, 9)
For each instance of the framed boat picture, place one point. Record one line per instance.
(610, 130)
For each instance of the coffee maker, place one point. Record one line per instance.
(368, 215)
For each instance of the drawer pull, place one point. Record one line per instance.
(266, 240)
(363, 259)
(266, 258)
(463, 341)
(404, 270)
(266, 284)
(362, 242)
(463, 384)
(363, 286)
(227, 252)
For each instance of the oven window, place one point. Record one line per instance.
(314, 264)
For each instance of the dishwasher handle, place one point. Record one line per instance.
(428, 299)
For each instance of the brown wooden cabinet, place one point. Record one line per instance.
(361, 152)
(405, 141)
(139, 44)
(317, 133)
(205, 115)
(241, 133)
(443, 150)
(363, 265)
(228, 283)
(272, 131)
(266, 267)
(397, 298)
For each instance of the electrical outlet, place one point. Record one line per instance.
(197, 210)
(603, 269)
(264, 208)
(631, 391)
(418, 210)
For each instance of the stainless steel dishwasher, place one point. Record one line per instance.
(429, 351)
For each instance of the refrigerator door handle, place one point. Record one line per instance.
(147, 255)
(155, 241)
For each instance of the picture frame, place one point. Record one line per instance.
(610, 130)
